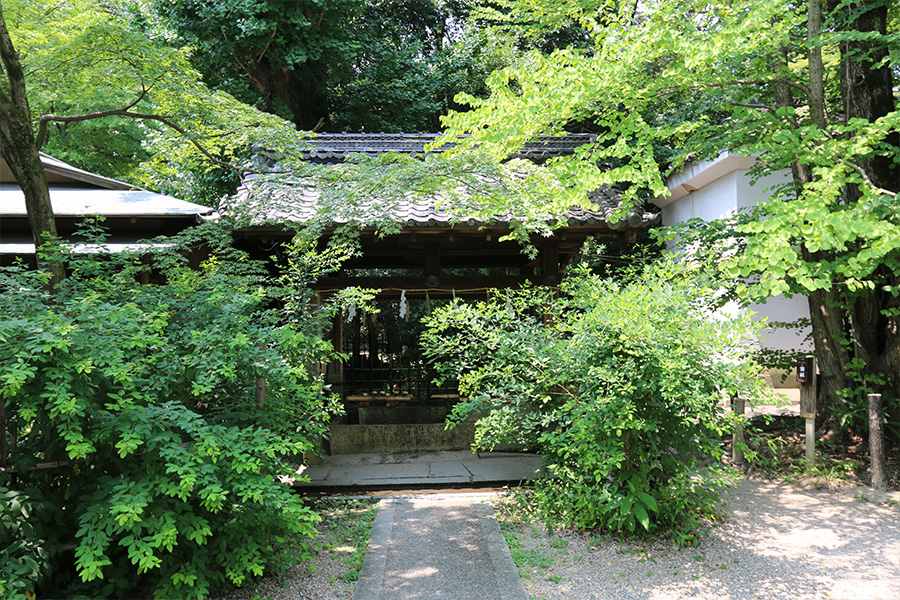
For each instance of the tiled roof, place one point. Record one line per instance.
(333, 147)
(268, 204)
(300, 205)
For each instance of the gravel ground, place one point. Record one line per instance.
(322, 582)
(779, 542)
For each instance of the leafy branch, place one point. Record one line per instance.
(43, 134)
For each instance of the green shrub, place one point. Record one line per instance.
(168, 466)
(29, 539)
(619, 384)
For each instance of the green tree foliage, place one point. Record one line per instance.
(803, 89)
(271, 54)
(352, 65)
(412, 58)
(111, 96)
(618, 383)
(204, 66)
(75, 59)
(133, 428)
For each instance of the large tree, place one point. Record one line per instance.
(108, 96)
(351, 65)
(20, 151)
(412, 58)
(275, 55)
(805, 87)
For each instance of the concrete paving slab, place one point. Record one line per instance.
(414, 470)
(513, 469)
(446, 468)
(446, 546)
(318, 474)
(425, 468)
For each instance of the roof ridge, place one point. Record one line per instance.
(329, 147)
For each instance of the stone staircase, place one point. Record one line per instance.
(395, 429)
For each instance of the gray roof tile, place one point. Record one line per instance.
(334, 147)
(300, 204)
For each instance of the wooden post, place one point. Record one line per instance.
(738, 407)
(260, 391)
(432, 259)
(806, 375)
(144, 276)
(2, 432)
(334, 372)
(550, 263)
(876, 441)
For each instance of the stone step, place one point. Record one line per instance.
(400, 437)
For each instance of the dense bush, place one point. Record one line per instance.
(620, 386)
(166, 468)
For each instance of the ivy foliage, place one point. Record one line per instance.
(619, 384)
(165, 473)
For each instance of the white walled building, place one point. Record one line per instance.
(717, 188)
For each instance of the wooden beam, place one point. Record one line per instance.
(430, 283)
(432, 259)
(550, 258)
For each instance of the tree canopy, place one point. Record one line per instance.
(801, 86)
(160, 126)
(351, 65)
(217, 68)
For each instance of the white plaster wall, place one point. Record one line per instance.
(749, 193)
(789, 310)
(721, 198)
(713, 201)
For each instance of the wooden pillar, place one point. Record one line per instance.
(876, 441)
(144, 278)
(334, 371)
(3, 449)
(738, 408)
(432, 259)
(372, 327)
(356, 334)
(806, 376)
(550, 262)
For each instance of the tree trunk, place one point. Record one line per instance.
(826, 316)
(21, 154)
(847, 327)
(816, 68)
(829, 331)
(867, 93)
(300, 93)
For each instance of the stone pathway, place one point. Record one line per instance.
(438, 546)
